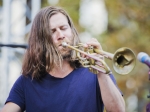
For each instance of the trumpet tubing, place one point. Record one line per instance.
(123, 59)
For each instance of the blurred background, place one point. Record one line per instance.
(115, 23)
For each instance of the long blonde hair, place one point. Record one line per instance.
(42, 54)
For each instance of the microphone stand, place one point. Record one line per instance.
(148, 96)
(24, 46)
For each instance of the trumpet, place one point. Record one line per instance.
(123, 59)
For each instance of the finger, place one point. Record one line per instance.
(94, 42)
(83, 45)
(97, 55)
(99, 69)
(99, 64)
(92, 55)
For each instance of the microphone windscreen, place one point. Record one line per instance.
(141, 55)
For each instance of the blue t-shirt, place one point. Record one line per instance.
(77, 92)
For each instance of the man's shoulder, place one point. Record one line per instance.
(22, 79)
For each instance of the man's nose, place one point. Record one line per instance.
(60, 34)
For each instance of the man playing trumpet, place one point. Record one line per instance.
(52, 80)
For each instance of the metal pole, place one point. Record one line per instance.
(5, 54)
(5, 51)
(35, 5)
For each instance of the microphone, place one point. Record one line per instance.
(144, 58)
(148, 108)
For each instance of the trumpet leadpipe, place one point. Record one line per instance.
(90, 56)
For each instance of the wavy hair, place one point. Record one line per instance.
(41, 54)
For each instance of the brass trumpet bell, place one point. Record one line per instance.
(124, 61)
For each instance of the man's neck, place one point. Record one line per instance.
(61, 72)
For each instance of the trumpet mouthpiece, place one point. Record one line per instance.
(64, 44)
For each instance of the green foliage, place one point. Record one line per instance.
(129, 23)
(1, 2)
(129, 26)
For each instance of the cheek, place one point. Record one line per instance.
(54, 41)
(54, 37)
(69, 34)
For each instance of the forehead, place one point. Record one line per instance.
(58, 19)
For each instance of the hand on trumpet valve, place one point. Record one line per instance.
(96, 59)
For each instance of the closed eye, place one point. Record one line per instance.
(64, 27)
(53, 30)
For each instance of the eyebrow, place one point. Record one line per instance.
(60, 26)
